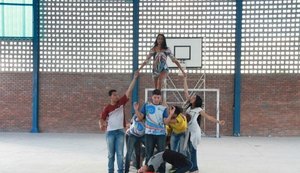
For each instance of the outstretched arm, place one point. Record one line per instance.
(185, 86)
(145, 62)
(211, 118)
(179, 66)
(127, 93)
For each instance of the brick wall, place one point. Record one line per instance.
(270, 105)
(72, 102)
(15, 102)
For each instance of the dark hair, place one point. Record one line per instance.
(198, 102)
(111, 91)
(188, 117)
(150, 168)
(178, 110)
(164, 44)
(156, 92)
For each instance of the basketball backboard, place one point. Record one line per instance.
(186, 49)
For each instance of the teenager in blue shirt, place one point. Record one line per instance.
(156, 116)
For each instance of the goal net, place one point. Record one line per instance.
(211, 104)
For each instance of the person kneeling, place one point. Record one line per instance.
(179, 161)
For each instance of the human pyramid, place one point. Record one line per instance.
(153, 122)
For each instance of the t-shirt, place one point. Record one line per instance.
(155, 115)
(180, 126)
(137, 128)
(156, 160)
(114, 114)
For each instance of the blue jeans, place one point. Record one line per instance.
(193, 156)
(152, 141)
(177, 142)
(115, 145)
(132, 142)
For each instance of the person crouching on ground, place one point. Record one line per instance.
(179, 161)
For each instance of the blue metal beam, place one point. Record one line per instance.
(36, 65)
(16, 4)
(237, 70)
(135, 60)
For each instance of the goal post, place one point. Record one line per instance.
(181, 101)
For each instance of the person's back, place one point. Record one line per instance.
(137, 128)
(176, 159)
(180, 162)
(180, 125)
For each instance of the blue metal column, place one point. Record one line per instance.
(135, 59)
(2, 19)
(237, 70)
(36, 64)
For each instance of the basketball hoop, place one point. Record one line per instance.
(183, 66)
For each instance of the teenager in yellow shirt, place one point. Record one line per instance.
(178, 127)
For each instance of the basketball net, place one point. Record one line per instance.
(183, 66)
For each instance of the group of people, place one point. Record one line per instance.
(151, 121)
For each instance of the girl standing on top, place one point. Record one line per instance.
(159, 53)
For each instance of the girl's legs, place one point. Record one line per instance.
(155, 80)
(162, 76)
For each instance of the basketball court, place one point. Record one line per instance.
(78, 153)
(59, 58)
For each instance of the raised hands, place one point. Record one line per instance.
(136, 106)
(136, 74)
(171, 110)
(222, 122)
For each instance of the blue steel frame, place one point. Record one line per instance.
(2, 4)
(237, 70)
(21, 4)
(35, 53)
(135, 60)
(36, 66)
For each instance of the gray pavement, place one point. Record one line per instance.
(87, 153)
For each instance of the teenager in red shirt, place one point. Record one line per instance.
(112, 120)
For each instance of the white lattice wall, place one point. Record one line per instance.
(92, 36)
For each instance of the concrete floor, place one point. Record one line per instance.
(86, 153)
